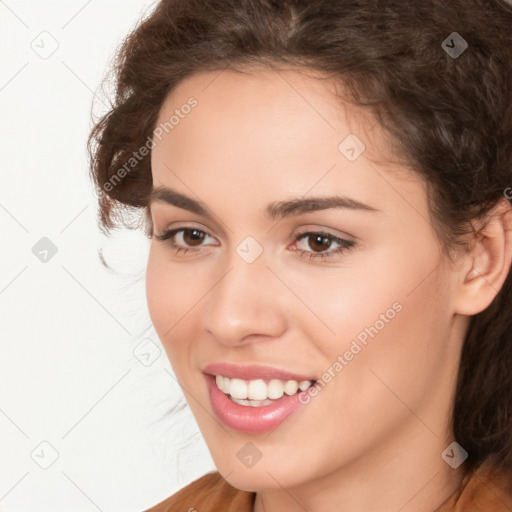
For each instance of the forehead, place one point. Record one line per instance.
(264, 111)
(267, 130)
(293, 88)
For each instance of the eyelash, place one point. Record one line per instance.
(346, 245)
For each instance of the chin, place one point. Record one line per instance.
(260, 477)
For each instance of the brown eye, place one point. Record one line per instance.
(193, 237)
(319, 242)
(186, 239)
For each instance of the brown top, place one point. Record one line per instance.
(484, 490)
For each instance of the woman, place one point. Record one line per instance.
(326, 187)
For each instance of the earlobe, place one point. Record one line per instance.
(489, 262)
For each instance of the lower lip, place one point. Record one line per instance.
(248, 418)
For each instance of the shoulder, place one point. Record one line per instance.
(487, 488)
(210, 492)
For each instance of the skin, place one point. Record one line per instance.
(371, 440)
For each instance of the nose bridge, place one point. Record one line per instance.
(244, 301)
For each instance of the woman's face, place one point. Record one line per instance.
(372, 323)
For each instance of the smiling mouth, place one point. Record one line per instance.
(258, 392)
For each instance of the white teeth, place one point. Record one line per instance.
(305, 384)
(257, 392)
(219, 380)
(251, 403)
(275, 389)
(290, 388)
(237, 388)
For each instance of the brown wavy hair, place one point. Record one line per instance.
(449, 116)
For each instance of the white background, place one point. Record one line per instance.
(77, 393)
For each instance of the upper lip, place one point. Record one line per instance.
(252, 372)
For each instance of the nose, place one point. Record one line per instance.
(244, 306)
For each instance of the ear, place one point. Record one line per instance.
(486, 265)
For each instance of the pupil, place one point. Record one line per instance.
(322, 240)
(194, 234)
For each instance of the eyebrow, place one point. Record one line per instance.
(275, 210)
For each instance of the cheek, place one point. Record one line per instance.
(173, 294)
(165, 293)
(344, 303)
(394, 362)
(157, 300)
(393, 317)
